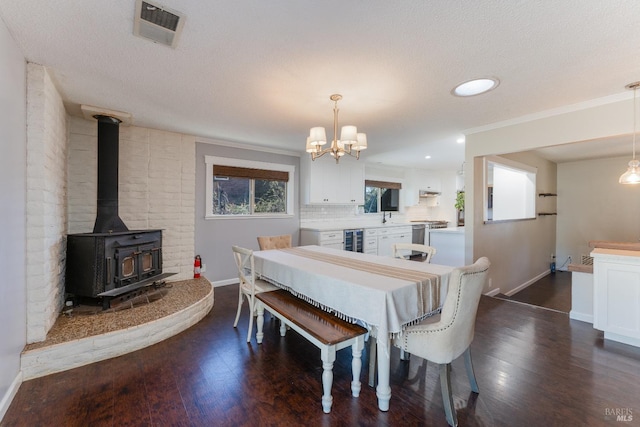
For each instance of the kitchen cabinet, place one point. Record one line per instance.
(331, 239)
(387, 237)
(449, 244)
(325, 182)
(371, 241)
(417, 180)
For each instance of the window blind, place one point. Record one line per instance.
(237, 172)
(382, 184)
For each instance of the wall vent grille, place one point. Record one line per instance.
(587, 260)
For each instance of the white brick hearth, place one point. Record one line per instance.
(72, 354)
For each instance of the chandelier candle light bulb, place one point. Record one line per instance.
(351, 142)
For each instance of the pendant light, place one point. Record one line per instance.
(632, 175)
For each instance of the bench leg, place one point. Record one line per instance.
(328, 354)
(259, 321)
(283, 328)
(356, 364)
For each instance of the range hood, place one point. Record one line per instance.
(428, 193)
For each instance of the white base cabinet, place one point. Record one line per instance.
(371, 241)
(387, 237)
(376, 240)
(449, 244)
(331, 239)
(616, 298)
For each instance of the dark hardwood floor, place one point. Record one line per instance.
(552, 291)
(534, 368)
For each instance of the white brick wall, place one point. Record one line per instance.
(156, 187)
(46, 202)
(157, 190)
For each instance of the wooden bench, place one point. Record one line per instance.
(326, 331)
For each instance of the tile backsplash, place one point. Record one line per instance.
(341, 213)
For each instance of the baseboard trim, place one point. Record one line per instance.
(581, 316)
(225, 282)
(527, 283)
(10, 394)
(493, 292)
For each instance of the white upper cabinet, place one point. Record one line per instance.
(351, 185)
(325, 182)
(417, 180)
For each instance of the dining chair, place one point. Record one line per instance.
(448, 335)
(249, 285)
(399, 250)
(274, 242)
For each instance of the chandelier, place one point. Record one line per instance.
(632, 175)
(351, 142)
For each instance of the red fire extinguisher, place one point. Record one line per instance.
(197, 264)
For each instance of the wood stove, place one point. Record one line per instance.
(112, 260)
(109, 264)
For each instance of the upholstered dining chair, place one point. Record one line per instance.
(446, 336)
(274, 242)
(249, 285)
(400, 250)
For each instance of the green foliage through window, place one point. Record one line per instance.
(247, 196)
(371, 199)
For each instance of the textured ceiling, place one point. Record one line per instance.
(261, 72)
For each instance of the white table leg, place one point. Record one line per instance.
(328, 355)
(356, 365)
(259, 321)
(383, 391)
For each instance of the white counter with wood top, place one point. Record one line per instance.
(616, 292)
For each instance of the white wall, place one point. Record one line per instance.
(13, 143)
(592, 205)
(156, 187)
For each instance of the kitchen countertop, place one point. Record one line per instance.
(580, 268)
(329, 226)
(448, 230)
(604, 244)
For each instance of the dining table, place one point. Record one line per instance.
(384, 294)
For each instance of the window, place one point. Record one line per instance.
(381, 195)
(237, 188)
(510, 190)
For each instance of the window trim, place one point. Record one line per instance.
(513, 165)
(251, 164)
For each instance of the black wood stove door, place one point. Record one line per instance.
(127, 268)
(136, 263)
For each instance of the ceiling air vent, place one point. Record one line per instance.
(157, 23)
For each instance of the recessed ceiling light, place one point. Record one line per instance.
(427, 157)
(475, 87)
(460, 140)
